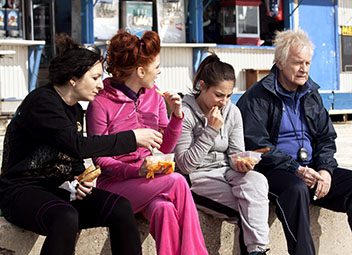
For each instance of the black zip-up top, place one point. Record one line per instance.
(261, 110)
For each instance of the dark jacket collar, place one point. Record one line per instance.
(269, 81)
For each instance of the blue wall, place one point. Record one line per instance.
(331, 100)
(319, 19)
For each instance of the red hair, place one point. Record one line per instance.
(126, 52)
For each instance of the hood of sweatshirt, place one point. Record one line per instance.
(114, 94)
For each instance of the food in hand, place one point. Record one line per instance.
(159, 92)
(90, 174)
(165, 167)
(247, 157)
(248, 160)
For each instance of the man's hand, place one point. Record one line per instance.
(309, 176)
(324, 185)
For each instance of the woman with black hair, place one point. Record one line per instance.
(212, 135)
(44, 148)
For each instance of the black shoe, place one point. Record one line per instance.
(259, 252)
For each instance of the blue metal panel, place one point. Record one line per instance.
(87, 21)
(337, 101)
(319, 20)
(289, 9)
(34, 56)
(195, 18)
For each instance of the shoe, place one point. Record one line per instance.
(259, 252)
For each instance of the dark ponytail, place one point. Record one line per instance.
(213, 71)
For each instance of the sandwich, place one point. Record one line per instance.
(90, 174)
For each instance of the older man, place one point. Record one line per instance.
(284, 113)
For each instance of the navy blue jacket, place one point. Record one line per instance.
(261, 110)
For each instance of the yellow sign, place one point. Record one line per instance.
(346, 30)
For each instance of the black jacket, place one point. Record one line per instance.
(261, 110)
(44, 144)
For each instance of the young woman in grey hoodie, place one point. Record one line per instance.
(212, 133)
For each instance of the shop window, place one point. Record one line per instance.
(247, 21)
(137, 16)
(212, 28)
(171, 21)
(251, 22)
(346, 49)
(44, 29)
(271, 20)
(106, 19)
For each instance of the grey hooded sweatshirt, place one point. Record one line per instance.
(203, 151)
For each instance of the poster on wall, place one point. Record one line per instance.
(171, 21)
(13, 22)
(106, 19)
(137, 16)
(2, 23)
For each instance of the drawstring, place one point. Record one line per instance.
(112, 120)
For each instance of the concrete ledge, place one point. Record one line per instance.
(330, 230)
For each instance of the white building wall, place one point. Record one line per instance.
(345, 12)
(246, 58)
(14, 72)
(176, 69)
(177, 65)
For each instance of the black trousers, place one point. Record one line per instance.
(47, 212)
(293, 197)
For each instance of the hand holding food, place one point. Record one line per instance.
(90, 174)
(245, 161)
(215, 119)
(174, 101)
(83, 190)
(148, 138)
(159, 164)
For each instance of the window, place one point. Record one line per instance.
(247, 21)
(346, 49)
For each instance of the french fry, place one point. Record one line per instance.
(166, 167)
(159, 92)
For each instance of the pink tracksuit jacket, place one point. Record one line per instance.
(166, 200)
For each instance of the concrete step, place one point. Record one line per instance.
(331, 235)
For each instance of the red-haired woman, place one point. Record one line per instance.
(129, 101)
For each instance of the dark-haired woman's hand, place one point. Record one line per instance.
(148, 138)
(84, 189)
(215, 119)
(174, 101)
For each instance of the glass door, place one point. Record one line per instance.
(44, 28)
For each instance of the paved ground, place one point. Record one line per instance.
(343, 142)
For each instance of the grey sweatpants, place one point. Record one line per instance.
(246, 193)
